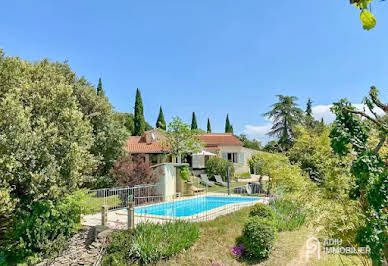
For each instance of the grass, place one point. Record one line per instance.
(93, 205)
(218, 188)
(219, 235)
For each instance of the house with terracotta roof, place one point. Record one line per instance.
(224, 145)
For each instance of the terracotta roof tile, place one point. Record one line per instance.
(133, 145)
(212, 139)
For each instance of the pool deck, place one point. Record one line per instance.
(117, 219)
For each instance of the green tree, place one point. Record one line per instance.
(108, 134)
(285, 115)
(250, 144)
(309, 119)
(194, 124)
(350, 135)
(228, 126)
(139, 120)
(181, 140)
(209, 128)
(100, 91)
(161, 123)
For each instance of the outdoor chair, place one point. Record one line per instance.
(206, 181)
(220, 181)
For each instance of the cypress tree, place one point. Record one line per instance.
(227, 125)
(309, 111)
(100, 91)
(209, 128)
(139, 116)
(194, 124)
(231, 128)
(161, 123)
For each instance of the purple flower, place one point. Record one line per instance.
(237, 250)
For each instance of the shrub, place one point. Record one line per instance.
(263, 211)
(131, 170)
(42, 230)
(288, 216)
(258, 238)
(217, 166)
(149, 243)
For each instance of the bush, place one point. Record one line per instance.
(217, 166)
(244, 175)
(42, 230)
(263, 211)
(258, 238)
(149, 243)
(131, 170)
(288, 216)
(185, 173)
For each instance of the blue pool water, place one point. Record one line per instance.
(191, 206)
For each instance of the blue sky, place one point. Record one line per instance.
(211, 57)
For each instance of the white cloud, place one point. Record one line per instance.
(323, 111)
(258, 132)
(319, 111)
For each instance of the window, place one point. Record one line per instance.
(232, 157)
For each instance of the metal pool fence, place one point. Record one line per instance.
(125, 207)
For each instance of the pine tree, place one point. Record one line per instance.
(209, 128)
(139, 116)
(161, 123)
(194, 124)
(228, 128)
(285, 115)
(100, 91)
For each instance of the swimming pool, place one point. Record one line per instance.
(189, 207)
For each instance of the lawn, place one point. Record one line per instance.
(219, 235)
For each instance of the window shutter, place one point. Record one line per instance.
(195, 161)
(240, 157)
(225, 155)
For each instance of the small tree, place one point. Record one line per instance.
(132, 170)
(194, 124)
(180, 140)
(161, 123)
(209, 128)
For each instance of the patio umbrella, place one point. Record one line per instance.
(205, 153)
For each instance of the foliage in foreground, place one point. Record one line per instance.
(150, 243)
(350, 134)
(258, 238)
(263, 211)
(43, 229)
(217, 166)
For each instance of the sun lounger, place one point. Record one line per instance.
(248, 188)
(206, 181)
(220, 181)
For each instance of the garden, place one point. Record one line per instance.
(60, 138)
